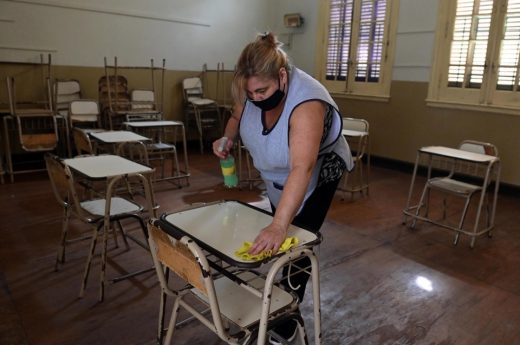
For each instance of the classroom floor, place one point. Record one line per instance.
(381, 282)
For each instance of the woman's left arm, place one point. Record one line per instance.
(306, 131)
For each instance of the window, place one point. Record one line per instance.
(355, 49)
(476, 62)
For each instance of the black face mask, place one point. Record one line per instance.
(272, 101)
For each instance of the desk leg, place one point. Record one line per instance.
(495, 195)
(8, 155)
(2, 171)
(410, 192)
(185, 149)
(106, 228)
(489, 171)
(316, 298)
(268, 287)
(367, 143)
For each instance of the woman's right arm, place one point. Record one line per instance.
(230, 132)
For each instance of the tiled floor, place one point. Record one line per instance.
(381, 283)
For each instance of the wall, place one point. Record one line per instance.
(405, 123)
(299, 43)
(187, 33)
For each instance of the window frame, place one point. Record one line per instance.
(350, 88)
(487, 98)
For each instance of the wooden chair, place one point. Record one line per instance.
(203, 110)
(234, 310)
(82, 142)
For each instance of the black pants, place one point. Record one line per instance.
(311, 218)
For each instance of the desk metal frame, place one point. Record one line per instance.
(160, 125)
(492, 166)
(238, 222)
(112, 169)
(3, 112)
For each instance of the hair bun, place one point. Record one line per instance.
(270, 39)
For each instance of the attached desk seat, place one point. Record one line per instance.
(160, 149)
(103, 212)
(200, 240)
(471, 169)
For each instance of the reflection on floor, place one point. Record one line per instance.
(381, 282)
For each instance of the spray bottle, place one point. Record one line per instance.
(228, 166)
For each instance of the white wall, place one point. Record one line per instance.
(300, 43)
(84, 33)
(216, 32)
(415, 36)
(415, 40)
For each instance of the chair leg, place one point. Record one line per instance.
(173, 320)
(461, 222)
(162, 164)
(129, 188)
(162, 310)
(427, 203)
(199, 128)
(102, 276)
(361, 178)
(301, 332)
(60, 256)
(89, 260)
(123, 233)
(346, 175)
(114, 235)
(425, 194)
(176, 161)
(488, 217)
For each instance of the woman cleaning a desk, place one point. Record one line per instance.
(292, 128)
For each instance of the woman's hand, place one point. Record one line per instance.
(222, 146)
(270, 238)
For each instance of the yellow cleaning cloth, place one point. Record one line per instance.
(242, 252)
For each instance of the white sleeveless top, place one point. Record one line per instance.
(270, 150)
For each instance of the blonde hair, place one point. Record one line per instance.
(261, 58)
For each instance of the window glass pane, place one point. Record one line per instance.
(340, 26)
(369, 51)
(510, 49)
(370, 40)
(469, 44)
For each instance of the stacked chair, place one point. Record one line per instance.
(114, 100)
(34, 124)
(203, 112)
